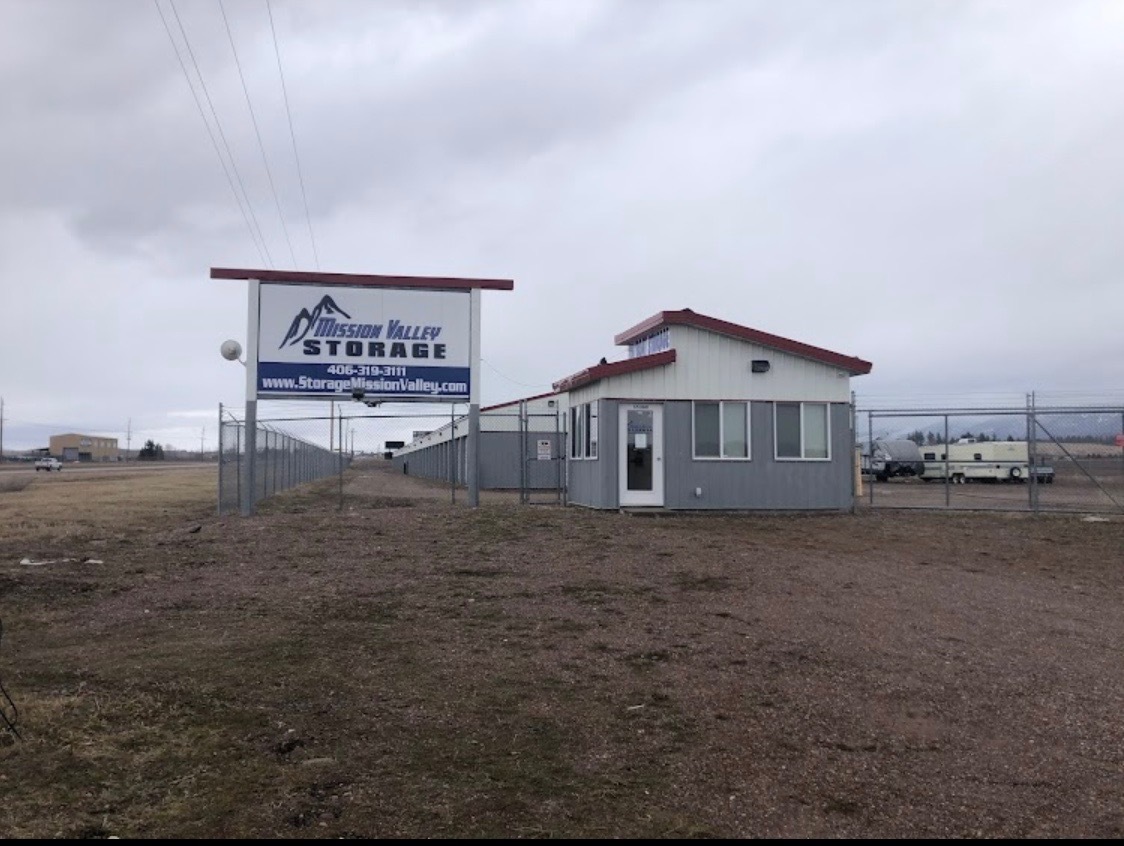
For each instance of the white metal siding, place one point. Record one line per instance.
(539, 411)
(711, 366)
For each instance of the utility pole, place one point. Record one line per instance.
(1, 430)
(128, 438)
(202, 436)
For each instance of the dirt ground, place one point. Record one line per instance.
(406, 667)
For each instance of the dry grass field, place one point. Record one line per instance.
(112, 499)
(409, 668)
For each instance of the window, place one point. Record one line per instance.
(721, 430)
(801, 431)
(583, 431)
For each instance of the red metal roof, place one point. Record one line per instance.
(686, 317)
(367, 280)
(617, 368)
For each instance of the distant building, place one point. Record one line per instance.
(74, 447)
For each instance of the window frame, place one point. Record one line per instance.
(584, 429)
(803, 430)
(722, 431)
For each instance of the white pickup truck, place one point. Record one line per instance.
(48, 464)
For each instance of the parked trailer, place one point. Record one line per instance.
(982, 461)
(891, 458)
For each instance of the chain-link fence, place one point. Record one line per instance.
(280, 461)
(522, 454)
(1064, 459)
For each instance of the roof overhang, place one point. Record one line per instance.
(686, 317)
(300, 277)
(617, 368)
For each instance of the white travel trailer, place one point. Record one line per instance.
(969, 460)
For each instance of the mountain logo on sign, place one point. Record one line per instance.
(304, 321)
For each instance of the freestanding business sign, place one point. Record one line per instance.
(316, 335)
(389, 344)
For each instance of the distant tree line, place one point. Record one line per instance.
(922, 438)
(929, 438)
(151, 451)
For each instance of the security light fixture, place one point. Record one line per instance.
(759, 365)
(231, 350)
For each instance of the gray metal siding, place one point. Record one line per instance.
(499, 461)
(432, 462)
(763, 482)
(594, 483)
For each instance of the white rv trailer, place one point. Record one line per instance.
(970, 460)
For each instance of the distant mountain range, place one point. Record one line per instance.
(304, 321)
(1093, 426)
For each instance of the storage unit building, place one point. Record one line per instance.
(522, 444)
(707, 414)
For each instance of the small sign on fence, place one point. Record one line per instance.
(544, 451)
(1120, 440)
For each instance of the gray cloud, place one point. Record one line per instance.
(924, 185)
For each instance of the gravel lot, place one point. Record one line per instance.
(410, 668)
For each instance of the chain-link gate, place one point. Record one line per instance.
(543, 447)
(1038, 459)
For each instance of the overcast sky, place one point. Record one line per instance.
(933, 186)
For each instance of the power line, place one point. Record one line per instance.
(222, 135)
(513, 381)
(292, 134)
(210, 132)
(257, 132)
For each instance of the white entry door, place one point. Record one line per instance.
(641, 451)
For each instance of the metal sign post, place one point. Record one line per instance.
(474, 402)
(249, 488)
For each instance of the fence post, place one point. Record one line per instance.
(947, 477)
(452, 453)
(1030, 455)
(220, 459)
(249, 490)
(524, 468)
(238, 461)
(562, 423)
(853, 440)
(1033, 423)
(340, 445)
(870, 451)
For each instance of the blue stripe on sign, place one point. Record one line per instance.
(393, 380)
